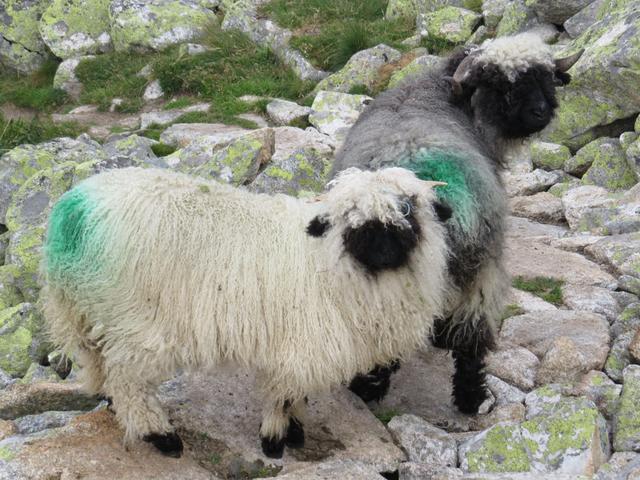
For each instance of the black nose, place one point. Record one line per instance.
(540, 111)
(378, 246)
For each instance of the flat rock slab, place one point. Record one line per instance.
(335, 469)
(422, 387)
(182, 134)
(91, 448)
(532, 259)
(219, 415)
(518, 227)
(18, 400)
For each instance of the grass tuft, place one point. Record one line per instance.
(386, 415)
(162, 149)
(17, 132)
(33, 91)
(547, 288)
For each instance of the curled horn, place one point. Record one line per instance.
(564, 64)
(431, 183)
(461, 74)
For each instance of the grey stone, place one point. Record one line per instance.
(342, 469)
(134, 151)
(452, 24)
(575, 243)
(516, 366)
(334, 113)
(530, 183)
(518, 228)
(182, 134)
(622, 252)
(164, 117)
(601, 390)
(621, 465)
(581, 21)
(283, 112)
(539, 331)
(591, 299)
(557, 12)
(504, 392)
(18, 400)
(423, 442)
(43, 421)
(550, 156)
(153, 92)
(618, 358)
(627, 321)
(66, 79)
(541, 207)
(414, 69)
(626, 426)
(529, 302)
(492, 11)
(583, 204)
(610, 168)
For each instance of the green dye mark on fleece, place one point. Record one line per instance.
(70, 234)
(452, 169)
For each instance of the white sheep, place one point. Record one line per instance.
(147, 271)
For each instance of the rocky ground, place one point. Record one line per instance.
(565, 377)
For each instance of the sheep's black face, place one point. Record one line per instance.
(520, 108)
(379, 246)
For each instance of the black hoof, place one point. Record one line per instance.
(169, 444)
(375, 384)
(469, 401)
(272, 448)
(295, 434)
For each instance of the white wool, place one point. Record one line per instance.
(199, 274)
(516, 53)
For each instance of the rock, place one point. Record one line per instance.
(627, 321)
(619, 358)
(549, 156)
(530, 183)
(43, 421)
(601, 390)
(562, 362)
(360, 71)
(40, 373)
(153, 91)
(598, 94)
(304, 171)
(529, 302)
(539, 332)
(632, 152)
(10, 296)
(575, 243)
(583, 159)
(541, 207)
(66, 79)
(291, 139)
(18, 400)
(634, 348)
(16, 325)
(244, 16)
(335, 112)
(516, 17)
(524, 228)
(133, 151)
(534, 259)
(192, 49)
(557, 12)
(90, 446)
(238, 162)
(423, 442)
(156, 24)
(619, 251)
(223, 411)
(342, 469)
(401, 9)
(609, 168)
(504, 392)
(517, 366)
(629, 283)
(563, 187)
(452, 24)
(182, 134)
(581, 21)
(21, 46)
(256, 118)
(164, 117)
(492, 12)
(582, 206)
(284, 112)
(591, 299)
(568, 436)
(627, 139)
(414, 69)
(73, 28)
(621, 465)
(420, 471)
(626, 425)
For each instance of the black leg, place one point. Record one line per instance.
(169, 444)
(375, 384)
(271, 447)
(295, 434)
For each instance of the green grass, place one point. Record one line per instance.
(18, 132)
(511, 310)
(549, 289)
(113, 75)
(386, 415)
(33, 91)
(179, 103)
(329, 32)
(153, 131)
(162, 150)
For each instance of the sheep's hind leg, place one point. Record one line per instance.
(282, 425)
(374, 385)
(139, 411)
(469, 351)
(295, 431)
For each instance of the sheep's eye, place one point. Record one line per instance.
(406, 208)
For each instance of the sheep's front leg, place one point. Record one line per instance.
(470, 347)
(282, 425)
(375, 384)
(138, 410)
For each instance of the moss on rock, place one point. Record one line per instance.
(452, 24)
(609, 167)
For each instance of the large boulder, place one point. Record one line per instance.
(66, 78)
(72, 28)
(452, 24)
(599, 93)
(609, 167)
(156, 24)
(21, 47)
(557, 12)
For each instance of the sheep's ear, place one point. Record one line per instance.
(443, 211)
(318, 226)
(463, 75)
